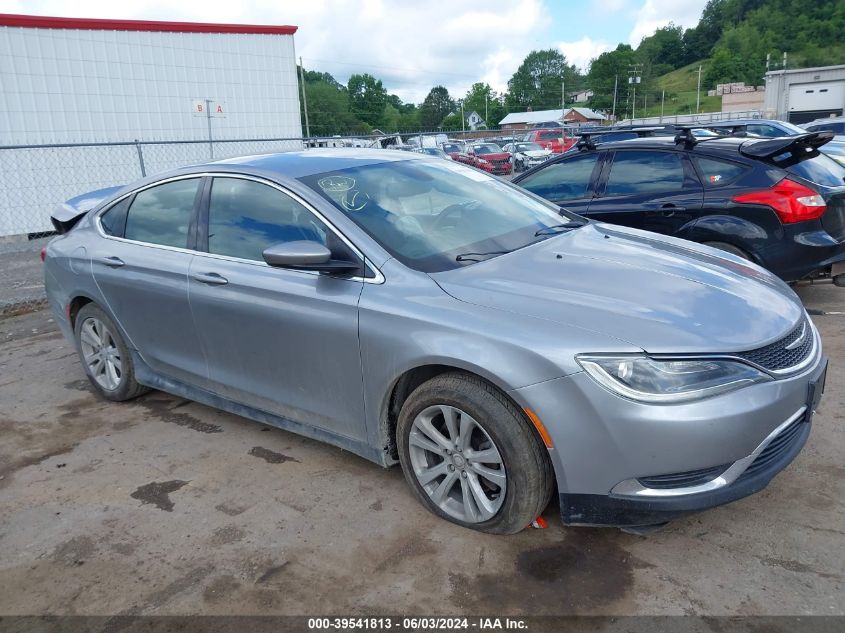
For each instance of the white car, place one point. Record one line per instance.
(526, 155)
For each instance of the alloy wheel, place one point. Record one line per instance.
(457, 463)
(101, 353)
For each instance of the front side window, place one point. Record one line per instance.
(645, 172)
(436, 215)
(245, 217)
(564, 180)
(162, 214)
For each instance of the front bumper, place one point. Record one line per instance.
(605, 445)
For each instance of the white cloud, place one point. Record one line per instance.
(410, 46)
(654, 14)
(583, 51)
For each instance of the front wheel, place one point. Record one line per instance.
(471, 457)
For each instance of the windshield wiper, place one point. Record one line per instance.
(475, 257)
(559, 228)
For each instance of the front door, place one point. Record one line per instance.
(283, 341)
(567, 182)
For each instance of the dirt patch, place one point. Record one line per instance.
(587, 571)
(162, 410)
(227, 534)
(271, 457)
(221, 588)
(75, 551)
(270, 572)
(230, 509)
(157, 493)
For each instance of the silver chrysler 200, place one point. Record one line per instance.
(414, 310)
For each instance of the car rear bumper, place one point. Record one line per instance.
(811, 253)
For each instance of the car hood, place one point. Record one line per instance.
(536, 153)
(494, 156)
(662, 295)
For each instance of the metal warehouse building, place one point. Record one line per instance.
(804, 94)
(185, 91)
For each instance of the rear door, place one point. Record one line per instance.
(280, 340)
(141, 269)
(655, 190)
(568, 182)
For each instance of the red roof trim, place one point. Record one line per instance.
(47, 22)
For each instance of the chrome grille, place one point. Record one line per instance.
(776, 356)
(683, 480)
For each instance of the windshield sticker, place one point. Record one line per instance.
(336, 184)
(354, 199)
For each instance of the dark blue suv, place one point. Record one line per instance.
(778, 202)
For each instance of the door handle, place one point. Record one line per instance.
(111, 262)
(212, 279)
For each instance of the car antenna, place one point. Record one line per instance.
(686, 137)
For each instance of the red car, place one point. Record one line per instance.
(453, 148)
(555, 139)
(488, 157)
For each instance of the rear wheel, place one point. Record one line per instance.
(471, 457)
(729, 248)
(105, 356)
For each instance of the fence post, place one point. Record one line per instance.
(141, 158)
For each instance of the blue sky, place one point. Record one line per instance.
(413, 45)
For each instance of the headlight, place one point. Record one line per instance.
(668, 381)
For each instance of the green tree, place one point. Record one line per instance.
(367, 98)
(538, 81)
(434, 108)
(664, 48)
(603, 74)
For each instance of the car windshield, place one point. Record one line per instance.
(437, 215)
(487, 148)
(528, 147)
(821, 169)
(451, 148)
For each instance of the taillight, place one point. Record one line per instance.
(792, 201)
(43, 253)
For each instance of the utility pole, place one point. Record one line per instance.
(463, 120)
(208, 118)
(635, 72)
(486, 115)
(615, 86)
(698, 92)
(562, 98)
(662, 105)
(304, 100)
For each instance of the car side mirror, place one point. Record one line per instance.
(306, 255)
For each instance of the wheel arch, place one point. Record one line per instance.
(407, 381)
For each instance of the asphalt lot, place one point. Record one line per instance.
(163, 506)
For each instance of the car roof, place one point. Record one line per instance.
(724, 144)
(313, 161)
(738, 122)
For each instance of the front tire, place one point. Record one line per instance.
(105, 356)
(471, 457)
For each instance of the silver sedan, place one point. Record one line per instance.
(416, 311)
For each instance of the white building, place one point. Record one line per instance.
(803, 94)
(68, 80)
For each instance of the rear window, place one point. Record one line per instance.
(822, 170)
(549, 136)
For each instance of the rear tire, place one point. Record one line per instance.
(105, 356)
(729, 248)
(471, 457)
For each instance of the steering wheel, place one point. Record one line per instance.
(456, 210)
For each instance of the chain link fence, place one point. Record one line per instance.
(36, 178)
